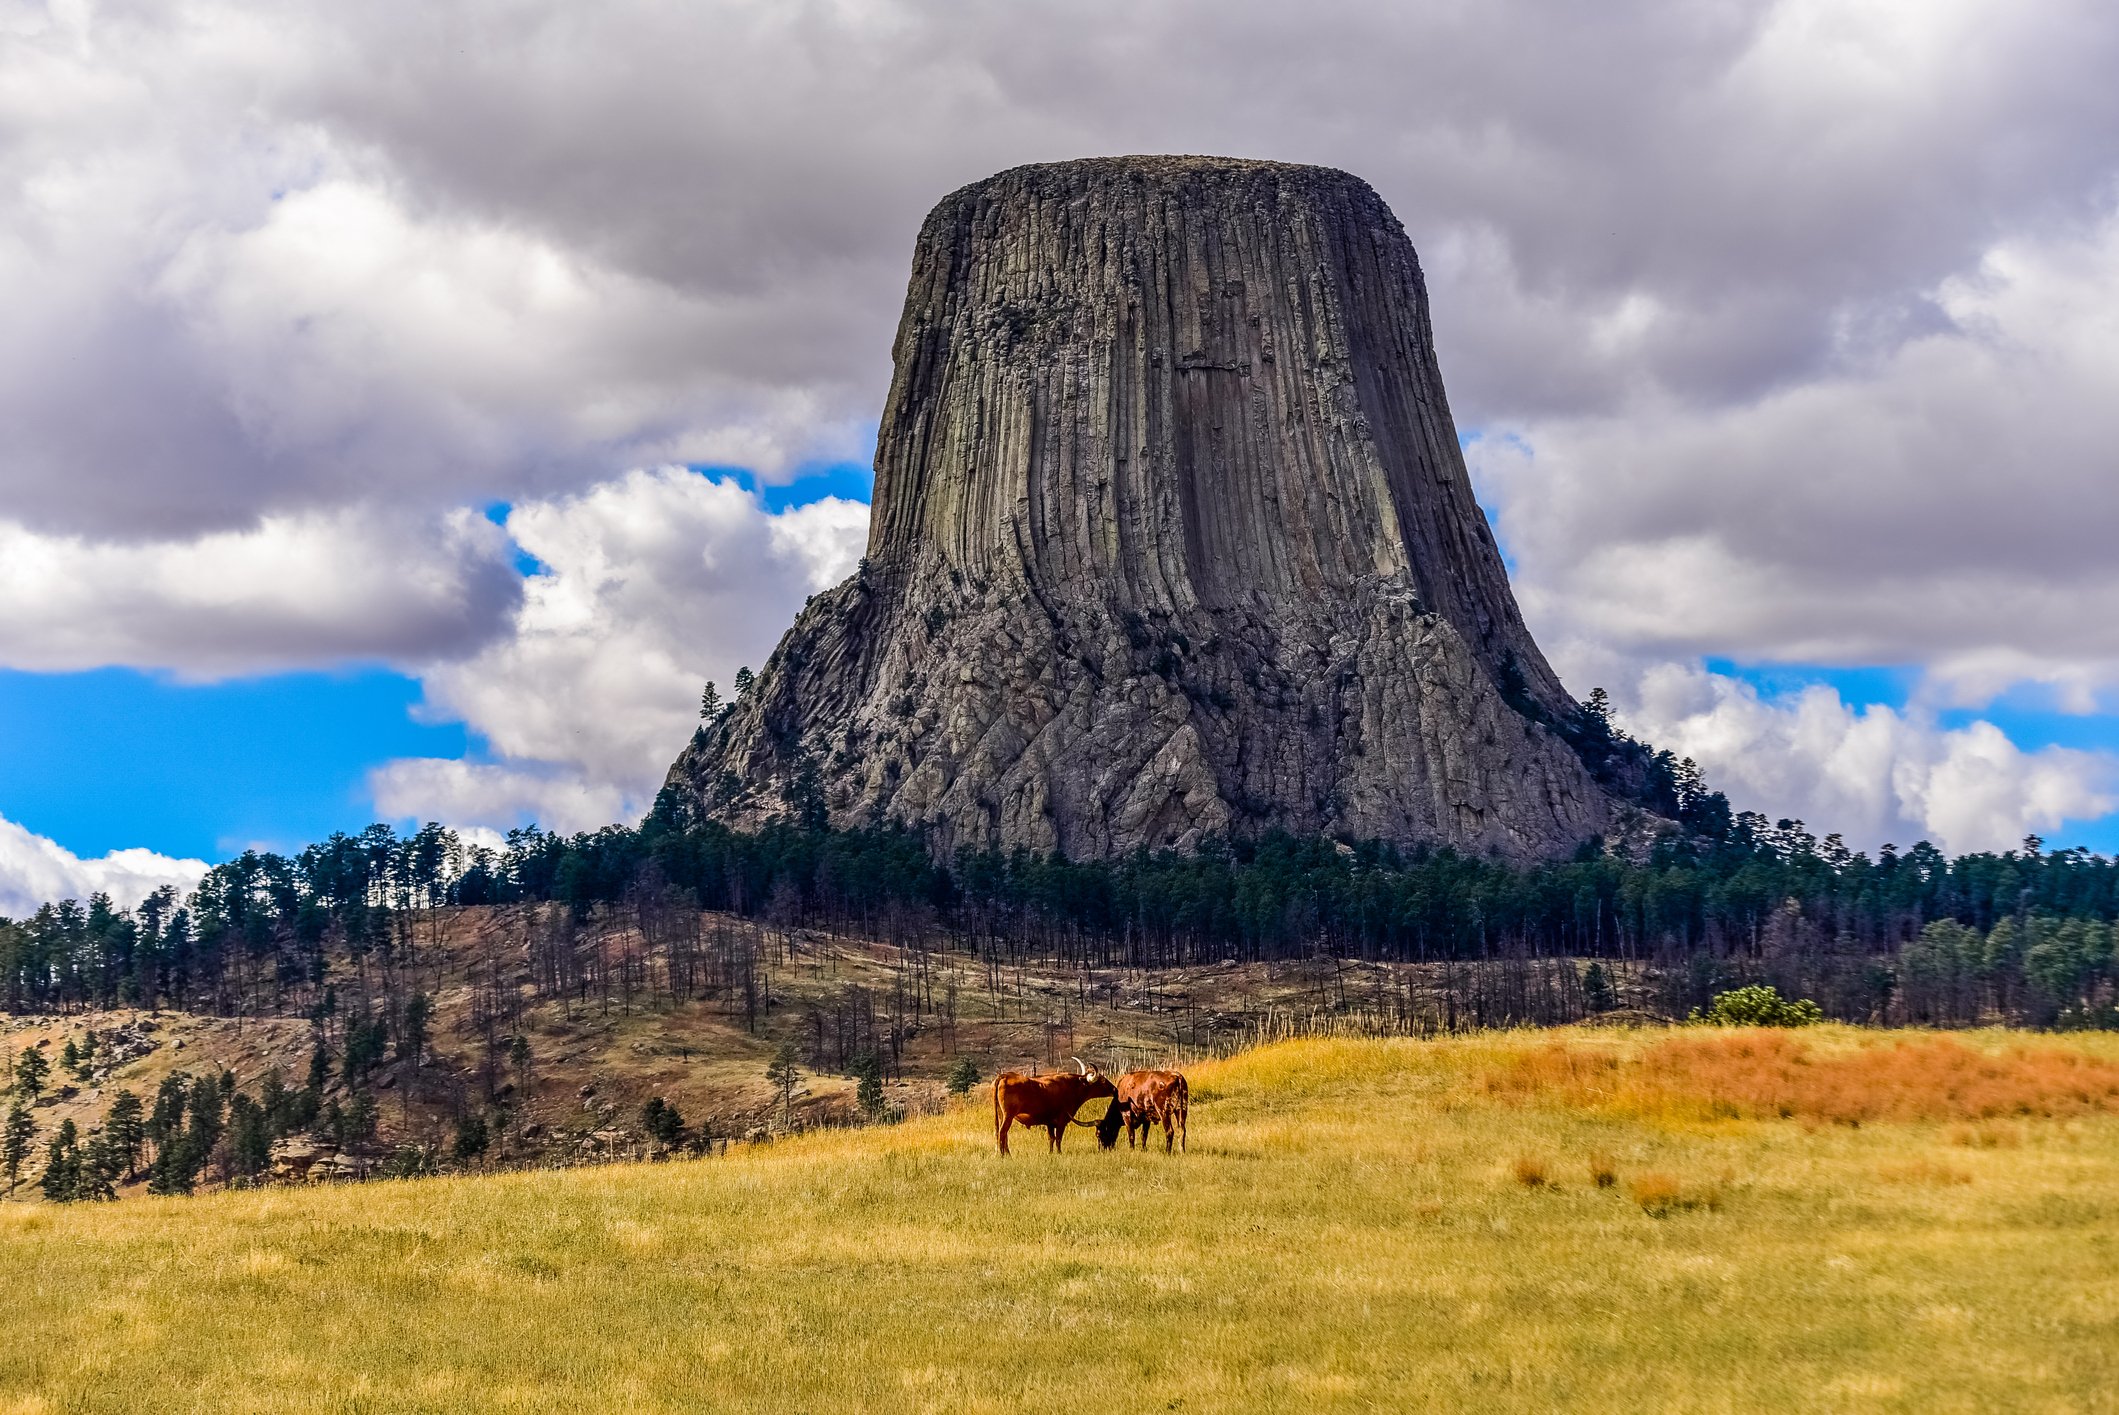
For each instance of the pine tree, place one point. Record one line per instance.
(204, 1132)
(519, 1058)
(31, 1069)
(125, 1129)
(663, 1122)
(62, 1164)
(166, 1121)
(472, 1138)
(101, 1163)
(70, 1058)
(412, 1036)
(357, 1121)
(963, 1076)
(710, 703)
(15, 1142)
(249, 1139)
(867, 1071)
(274, 1099)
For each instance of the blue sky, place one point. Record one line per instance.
(114, 758)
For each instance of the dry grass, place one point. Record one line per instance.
(1340, 1237)
(1656, 1191)
(1766, 1074)
(1603, 1170)
(1922, 1171)
(1529, 1171)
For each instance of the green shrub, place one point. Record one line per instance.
(1759, 1006)
(963, 1076)
(663, 1122)
(472, 1138)
(867, 1069)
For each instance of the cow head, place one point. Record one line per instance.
(1107, 1129)
(1099, 1083)
(1094, 1082)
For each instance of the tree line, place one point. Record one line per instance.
(2024, 933)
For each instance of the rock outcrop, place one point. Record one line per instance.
(1172, 537)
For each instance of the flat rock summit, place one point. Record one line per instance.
(1172, 538)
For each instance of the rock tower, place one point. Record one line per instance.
(1172, 537)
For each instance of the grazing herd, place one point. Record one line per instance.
(1140, 1100)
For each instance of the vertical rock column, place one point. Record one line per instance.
(1172, 536)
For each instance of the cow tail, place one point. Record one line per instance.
(1184, 1110)
(996, 1110)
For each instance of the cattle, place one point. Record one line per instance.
(1050, 1101)
(1107, 1129)
(1149, 1098)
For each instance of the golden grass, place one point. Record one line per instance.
(1340, 1237)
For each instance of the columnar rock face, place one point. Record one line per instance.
(1172, 537)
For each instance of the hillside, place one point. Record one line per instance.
(1358, 1224)
(605, 1029)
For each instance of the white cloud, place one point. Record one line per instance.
(1803, 307)
(1871, 773)
(490, 251)
(485, 798)
(1948, 505)
(36, 871)
(649, 586)
(311, 589)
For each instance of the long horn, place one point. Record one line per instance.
(1078, 1063)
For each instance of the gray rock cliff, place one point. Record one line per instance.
(1172, 537)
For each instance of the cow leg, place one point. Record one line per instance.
(1002, 1134)
(1058, 1133)
(1169, 1133)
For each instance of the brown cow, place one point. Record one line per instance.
(1050, 1101)
(1151, 1098)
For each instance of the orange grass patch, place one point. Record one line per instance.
(1765, 1075)
(1530, 1171)
(1660, 1193)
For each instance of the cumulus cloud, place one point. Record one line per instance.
(1787, 322)
(498, 249)
(1873, 774)
(35, 871)
(649, 586)
(307, 589)
(1949, 505)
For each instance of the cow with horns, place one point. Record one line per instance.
(1146, 1099)
(1048, 1101)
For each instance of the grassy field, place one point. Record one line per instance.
(1693, 1221)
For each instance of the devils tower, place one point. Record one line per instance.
(1172, 538)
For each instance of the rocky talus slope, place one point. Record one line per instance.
(1172, 537)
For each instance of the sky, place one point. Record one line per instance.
(405, 409)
